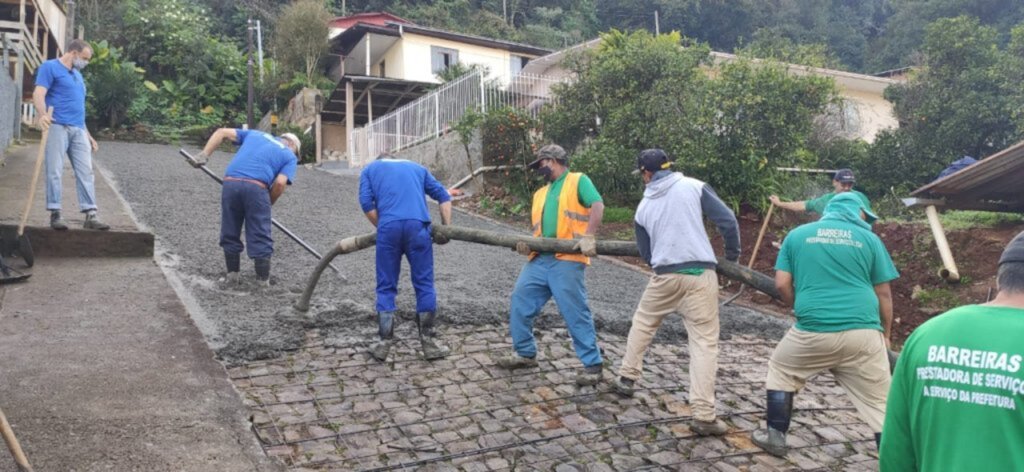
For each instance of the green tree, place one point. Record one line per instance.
(301, 38)
(638, 91)
(113, 84)
(961, 102)
(903, 33)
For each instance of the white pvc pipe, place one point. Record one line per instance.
(949, 271)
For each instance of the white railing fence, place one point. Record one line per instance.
(434, 114)
(28, 114)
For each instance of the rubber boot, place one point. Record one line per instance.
(262, 271)
(780, 410)
(386, 329)
(428, 338)
(233, 261)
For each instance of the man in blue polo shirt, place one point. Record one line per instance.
(60, 85)
(254, 179)
(391, 194)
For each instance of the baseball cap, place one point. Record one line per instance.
(1014, 251)
(844, 176)
(294, 139)
(551, 151)
(652, 160)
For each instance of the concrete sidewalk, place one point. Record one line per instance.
(123, 239)
(101, 367)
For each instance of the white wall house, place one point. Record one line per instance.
(381, 62)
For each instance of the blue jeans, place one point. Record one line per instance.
(543, 278)
(411, 238)
(245, 203)
(74, 142)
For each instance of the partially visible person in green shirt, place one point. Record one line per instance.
(957, 396)
(842, 182)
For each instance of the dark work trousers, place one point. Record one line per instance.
(411, 238)
(249, 204)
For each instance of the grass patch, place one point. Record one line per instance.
(966, 219)
(618, 215)
(938, 298)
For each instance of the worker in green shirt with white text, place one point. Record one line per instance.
(837, 275)
(957, 397)
(842, 182)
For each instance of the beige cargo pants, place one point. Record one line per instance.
(695, 297)
(857, 358)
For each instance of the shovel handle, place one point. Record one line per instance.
(40, 157)
(192, 161)
(13, 445)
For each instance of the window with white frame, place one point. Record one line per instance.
(442, 58)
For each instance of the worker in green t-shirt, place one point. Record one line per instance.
(838, 272)
(842, 182)
(957, 398)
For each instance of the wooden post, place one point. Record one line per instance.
(367, 55)
(350, 121)
(949, 271)
(319, 131)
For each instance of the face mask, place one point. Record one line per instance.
(546, 173)
(79, 64)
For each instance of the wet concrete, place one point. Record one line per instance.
(181, 206)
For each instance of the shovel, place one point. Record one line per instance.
(24, 246)
(753, 256)
(8, 275)
(13, 445)
(191, 160)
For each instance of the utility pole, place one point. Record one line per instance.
(504, 10)
(252, 92)
(657, 24)
(69, 32)
(259, 47)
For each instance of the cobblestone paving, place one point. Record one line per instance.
(329, 406)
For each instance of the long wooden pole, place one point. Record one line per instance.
(727, 268)
(760, 236)
(13, 445)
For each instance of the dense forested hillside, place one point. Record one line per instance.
(859, 35)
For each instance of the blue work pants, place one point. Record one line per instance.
(245, 203)
(412, 239)
(541, 279)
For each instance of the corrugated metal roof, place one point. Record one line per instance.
(995, 183)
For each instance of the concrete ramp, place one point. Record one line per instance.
(124, 239)
(101, 365)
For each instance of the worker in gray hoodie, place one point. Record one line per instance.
(671, 238)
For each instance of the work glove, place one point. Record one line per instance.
(587, 245)
(439, 238)
(523, 249)
(200, 160)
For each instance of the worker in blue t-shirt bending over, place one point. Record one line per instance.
(391, 194)
(254, 179)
